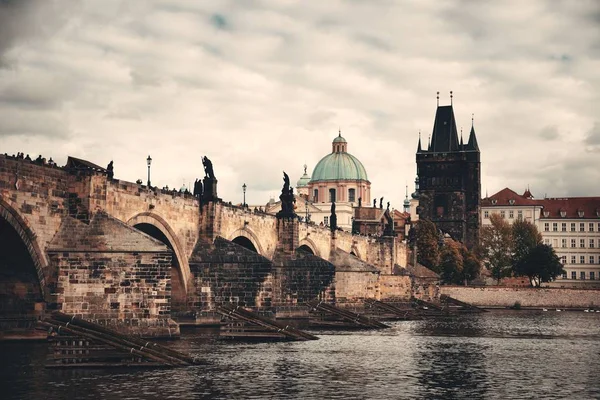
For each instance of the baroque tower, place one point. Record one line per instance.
(449, 175)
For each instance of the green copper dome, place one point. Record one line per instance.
(339, 166)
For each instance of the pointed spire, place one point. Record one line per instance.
(451, 97)
(472, 145)
(461, 139)
(438, 99)
(340, 132)
(419, 146)
(429, 143)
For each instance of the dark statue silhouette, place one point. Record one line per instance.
(208, 168)
(333, 218)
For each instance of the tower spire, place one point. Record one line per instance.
(451, 97)
(419, 145)
(438, 99)
(461, 138)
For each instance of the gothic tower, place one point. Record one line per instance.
(449, 174)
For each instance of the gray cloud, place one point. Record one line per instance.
(262, 87)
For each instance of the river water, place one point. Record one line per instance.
(496, 355)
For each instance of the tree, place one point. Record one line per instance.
(451, 262)
(471, 265)
(428, 252)
(496, 246)
(525, 238)
(540, 265)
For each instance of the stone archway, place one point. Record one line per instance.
(23, 284)
(155, 226)
(308, 244)
(28, 238)
(355, 253)
(247, 234)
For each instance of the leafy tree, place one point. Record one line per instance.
(540, 265)
(471, 265)
(525, 237)
(428, 252)
(451, 262)
(496, 246)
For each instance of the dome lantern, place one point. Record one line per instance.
(339, 144)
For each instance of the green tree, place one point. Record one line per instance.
(428, 252)
(496, 246)
(451, 262)
(540, 265)
(525, 237)
(471, 265)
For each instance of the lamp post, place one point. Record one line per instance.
(149, 161)
(306, 219)
(244, 190)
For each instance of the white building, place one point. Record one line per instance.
(571, 225)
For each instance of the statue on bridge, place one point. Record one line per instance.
(208, 191)
(359, 202)
(208, 168)
(287, 199)
(381, 203)
(333, 218)
(110, 170)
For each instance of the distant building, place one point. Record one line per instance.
(339, 177)
(449, 179)
(571, 225)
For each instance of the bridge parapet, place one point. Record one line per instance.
(231, 222)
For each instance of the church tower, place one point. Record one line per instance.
(449, 175)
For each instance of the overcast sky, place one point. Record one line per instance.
(263, 86)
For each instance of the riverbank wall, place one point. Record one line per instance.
(500, 297)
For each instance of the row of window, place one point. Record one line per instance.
(592, 259)
(511, 214)
(563, 227)
(573, 243)
(582, 275)
(332, 195)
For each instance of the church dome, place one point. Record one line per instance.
(304, 179)
(339, 164)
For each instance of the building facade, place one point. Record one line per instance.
(571, 225)
(449, 177)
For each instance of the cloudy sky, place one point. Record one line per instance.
(263, 86)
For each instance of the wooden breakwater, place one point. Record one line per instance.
(77, 343)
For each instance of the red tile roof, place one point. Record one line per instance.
(572, 206)
(503, 198)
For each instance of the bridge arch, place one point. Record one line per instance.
(155, 226)
(247, 234)
(18, 236)
(310, 246)
(354, 251)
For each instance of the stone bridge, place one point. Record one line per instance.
(76, 240)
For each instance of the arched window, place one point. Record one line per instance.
(351, 195)
(331, 195)
(315, 195)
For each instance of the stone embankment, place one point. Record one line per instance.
(500, 297)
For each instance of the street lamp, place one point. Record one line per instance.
(149, 161)
(244, 189)
(306, 219)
